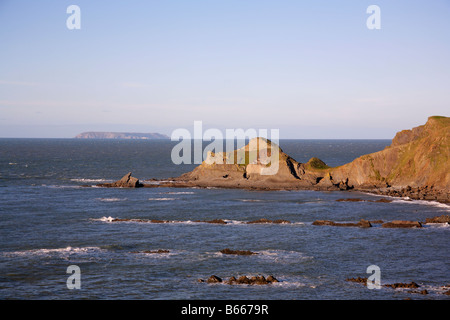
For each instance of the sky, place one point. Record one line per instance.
(311, 69)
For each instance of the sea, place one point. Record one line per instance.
(59, 240)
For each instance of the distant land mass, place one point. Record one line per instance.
(120, 135)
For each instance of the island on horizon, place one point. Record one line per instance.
(120, 135)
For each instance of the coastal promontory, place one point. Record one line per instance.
(416, 164)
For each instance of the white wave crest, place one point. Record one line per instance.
(283, 256)
(436, 204)
(111, 199)
(90, 180)
(104, 219)
(162, 199)
(57, 251)
(181, 192)
(444, 225)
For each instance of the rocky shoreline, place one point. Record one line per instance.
(407, 193)
(416, 166)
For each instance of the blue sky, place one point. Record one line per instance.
(311, 69)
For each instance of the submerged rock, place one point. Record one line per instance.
(411, 285)
(362, 223)
(156, 251)
(358, 280)
(253, 280)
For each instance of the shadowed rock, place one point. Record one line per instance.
(214, 279)
(254, 280)
(237, 252)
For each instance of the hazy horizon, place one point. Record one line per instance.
(312, 69)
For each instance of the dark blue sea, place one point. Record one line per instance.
(50, 221)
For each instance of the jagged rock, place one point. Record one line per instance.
(127, 181)
(214, 279)
(272, 279)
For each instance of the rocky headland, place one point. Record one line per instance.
(415, 165)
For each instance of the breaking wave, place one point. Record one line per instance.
(212, 222)
(180, 192)
(51, 252)
(91, 180)
(111, 199)
(407, 200)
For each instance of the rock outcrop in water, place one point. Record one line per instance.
(415, 165)
(127, 181)
(252, 280)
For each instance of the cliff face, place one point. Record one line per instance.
(120, 135)
(417, 158)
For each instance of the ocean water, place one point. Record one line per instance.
(49, 221)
